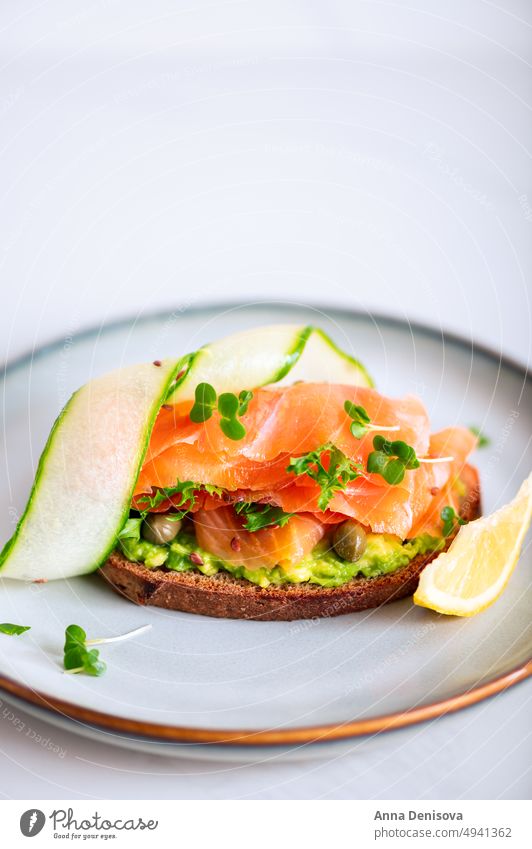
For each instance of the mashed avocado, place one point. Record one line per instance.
(384, 553)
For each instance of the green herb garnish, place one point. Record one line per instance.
(361, 419)
(244, 398)
(261, 515)
(230, 407)
(13, 630)
(204, 403)
(80, 658)
(482, 440)
(340, 471)
(451, 520)
(391, 459)
(183, 492)
(187, 498)
(362, 423)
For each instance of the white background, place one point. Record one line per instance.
(374, 154)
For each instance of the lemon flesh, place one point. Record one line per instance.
(474, 571)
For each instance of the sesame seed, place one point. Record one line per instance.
(196, 558)
(236, 545)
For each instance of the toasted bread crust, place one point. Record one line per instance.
(227, 597)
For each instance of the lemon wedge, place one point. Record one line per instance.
(474, 571)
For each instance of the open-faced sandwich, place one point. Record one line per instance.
(262, 477)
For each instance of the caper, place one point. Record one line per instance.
(350, 541)
(159, 528)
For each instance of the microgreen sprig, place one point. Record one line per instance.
(391, 459)
(204, 403)
(339, 472)
(78, 657)
(260, 516)
(230, 407)
(183, 494)
(13, 630)
(451, 520)
(361, 422)
(244, 398)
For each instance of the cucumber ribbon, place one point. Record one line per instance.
(87, 473)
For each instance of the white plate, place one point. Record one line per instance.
(197, 679)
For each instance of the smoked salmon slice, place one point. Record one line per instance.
(293, 420)
(221, 533)
(446, 489)
(282, 423)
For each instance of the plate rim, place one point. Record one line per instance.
(443, 334)
(298, 735)
(266, 737)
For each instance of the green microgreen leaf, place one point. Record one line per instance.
(244, 398)
(13, 630)
(377, 462)
(405, 453)
(394, 471)
(356, 412)
(333, 478)
(358, 430)
(362, 423)
(261, 515)
(361, 419)
(232, 428)
(229, 406)
(75, 636)
(391, 459)
(205, 394)
(77, 657)
(482, 440)
(204, 403)
(450, 520)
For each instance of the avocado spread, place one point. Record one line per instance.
(384, 553)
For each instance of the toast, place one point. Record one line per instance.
(224, 596)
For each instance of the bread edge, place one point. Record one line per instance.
(224, 596)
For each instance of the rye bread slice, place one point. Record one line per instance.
(227, 597)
